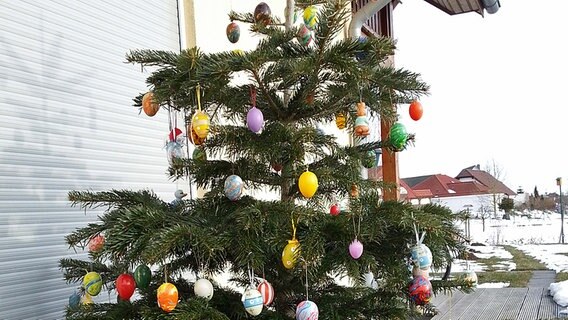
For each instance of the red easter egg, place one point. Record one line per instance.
(265, 288)
(125, 285)
(334, 210)
(415, 110)
(96, 243)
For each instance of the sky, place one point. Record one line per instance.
(498, 87)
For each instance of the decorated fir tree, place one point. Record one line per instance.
(328, 243)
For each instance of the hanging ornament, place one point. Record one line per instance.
(262, 14)
(420, 291)
(176, 135)
(233, 32)
(311, 17)
(200, 123)
(308, 184)
(167, 297)
(340, 120)
(92, 283)
(233, 187)
(354, 191)
(370, 281)
(361, 122)
(149, 106)
(252, 301)
(421, 256)
(96, 243)
(142, 276)
(267, 292)
(335, 210)
(199, 155)
(471, 277)
(203, 288)
(369, 159)
(74, 300)
(290, 253)
(398, 136)
(255, 118)
(87, 299)
(304, 35)
(173, 151)
(307, 310)
(195, 139)
(125, 286)
(356, 249)
(415, 110)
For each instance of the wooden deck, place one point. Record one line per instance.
(503, 303)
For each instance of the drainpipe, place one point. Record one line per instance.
(363, 15)
(491, 6)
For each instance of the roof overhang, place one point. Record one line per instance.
(464, 6)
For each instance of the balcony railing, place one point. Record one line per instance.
(380, 24)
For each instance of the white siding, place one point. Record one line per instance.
(66, 123)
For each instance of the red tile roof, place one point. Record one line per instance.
(494, 185)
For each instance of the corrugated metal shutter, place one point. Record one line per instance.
(65, 123)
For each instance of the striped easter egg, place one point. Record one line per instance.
(307, 310)
(200, 123)
(233, 187)
(252, 301)
(92, 283)
(267, 292)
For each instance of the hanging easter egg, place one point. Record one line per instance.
(335, 210)
(340, 120)
(311, 17)
(239, 52)
(354, 192)
(307, 310)
(233, 187)
(125, 286)
(304, 35)
(74, 300)
(167, 297)
(255, 120)
(267, 292)
(308, 184)
(92, 283)
(142, 276)
(233, 32)
(415, 110)
(149, 106)
(370, 281)
(420, 291)
(203, 288)
(421, 256)
(200, 123)
(96, 243)
(252, 301)
(174, 151)
(356, 249)
(87, 299)
(471, 277)
(194, 138)
(398, 136)
(369, 159)
(262, 13)
(290, 253)
(199, 154)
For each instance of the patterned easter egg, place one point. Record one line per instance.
(262, 13)
(421, 256)
(233, 187)
(199, 154)
(420, 290)
(252, 301)
(311, 17)
(74, 300)
(167, 295)
(307, 310)
(149, 106)
(340, 120)
(398, 136)
(233, 32)
(290, 253)
(96, 243)
(369, 159)
(200, 123)
(267, 291)
(92, 283)
(304, 35)
(142, 276)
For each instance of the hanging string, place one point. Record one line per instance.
(198, 92)
(165, 273)
(294, 227)
(307, 291)
(253, 96)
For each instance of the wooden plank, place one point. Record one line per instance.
(548, 308)
(492, 304)
(463, 306)
(445, 305)
(529, 310)
(514, 304)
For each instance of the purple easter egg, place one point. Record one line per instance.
(356, 249)
(255, 120)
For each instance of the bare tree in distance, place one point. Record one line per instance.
(497, 171)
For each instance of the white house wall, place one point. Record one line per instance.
(459, 203)
(66, 123)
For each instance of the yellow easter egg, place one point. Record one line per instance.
(200, 123)
(308, 184)
(290, 253)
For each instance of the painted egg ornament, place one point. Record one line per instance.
(421, 256)
(356, 249)
(255, 120)
(398, 136)
(311, 17)
(252, 301)
(233, 32)
(267, 292)
(199, 154)
(142, 276)
(290, 253)
(262, 13)
(308, 184)
(195, 139)
(233, 187)
(369, 159)
(203, 288)
(74, 300)
(96, 243)
(307, 310)
(340, 120)
(174, 151)
(304, 35)
(167, 297)
(149, 106)
(415, 110)
(87, 299)
(125, 286)
(92, 283)
(420, 290)
(471, 277)
(200, 123)
(335, 210)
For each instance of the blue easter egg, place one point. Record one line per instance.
(233, 187)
